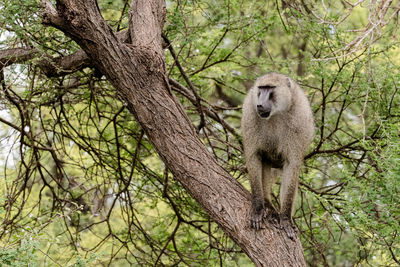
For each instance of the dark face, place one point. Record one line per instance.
(265, 100)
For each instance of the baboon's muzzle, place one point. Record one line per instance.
(263, 112)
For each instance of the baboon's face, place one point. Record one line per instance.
(265, 100)
(272, 95)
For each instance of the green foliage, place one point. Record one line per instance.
(22, 254)
(81, 184)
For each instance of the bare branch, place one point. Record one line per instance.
(16, 55)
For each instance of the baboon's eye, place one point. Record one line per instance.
(271, 95)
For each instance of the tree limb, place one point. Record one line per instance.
(16, 55)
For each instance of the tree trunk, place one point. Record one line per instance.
(137, 71)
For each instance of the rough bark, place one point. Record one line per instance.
(15, 55)
(137, 71)
(51, 66)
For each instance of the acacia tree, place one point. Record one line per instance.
(136, 68)
(84, 167)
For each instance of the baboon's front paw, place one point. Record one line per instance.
(256, 217)
(256, 221)
(288, 227)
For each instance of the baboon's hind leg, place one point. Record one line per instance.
(269, 179)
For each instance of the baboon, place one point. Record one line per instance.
(277, 128)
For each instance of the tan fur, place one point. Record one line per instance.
(283, 138)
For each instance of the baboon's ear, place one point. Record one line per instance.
(288, 82)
